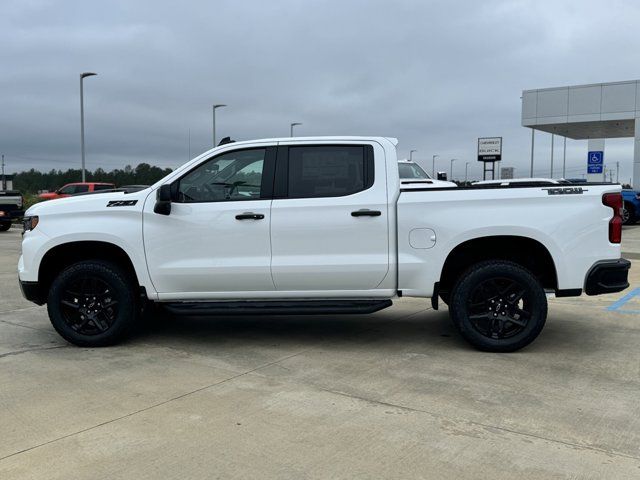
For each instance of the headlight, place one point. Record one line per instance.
(29, 223)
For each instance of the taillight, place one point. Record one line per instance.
(614, 200)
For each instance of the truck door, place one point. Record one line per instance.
(329, 219)
(216, 238)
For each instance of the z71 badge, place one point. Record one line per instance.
(122, 203)
(565, 190)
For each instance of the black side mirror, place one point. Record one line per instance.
(163, 200)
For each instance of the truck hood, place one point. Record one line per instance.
(89, 202)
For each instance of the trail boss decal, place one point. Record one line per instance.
(122, 203)
(565, 190)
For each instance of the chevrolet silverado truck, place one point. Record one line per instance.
(319, 226)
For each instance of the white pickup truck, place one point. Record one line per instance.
(319, 225)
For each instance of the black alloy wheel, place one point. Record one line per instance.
(93, 303)
(498, 306)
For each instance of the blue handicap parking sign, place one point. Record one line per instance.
(595, 161)
(595, 158)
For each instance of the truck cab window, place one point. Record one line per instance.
(327, 171)
(231, 176)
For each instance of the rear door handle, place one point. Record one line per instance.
(366, 213)
(249, 216)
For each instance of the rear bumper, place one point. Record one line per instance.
(607, 276)
(6, 214)
(31, 291)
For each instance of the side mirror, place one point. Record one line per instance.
(163, 200)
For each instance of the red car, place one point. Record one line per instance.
(74, 188)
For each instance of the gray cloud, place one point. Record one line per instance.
(434, 74)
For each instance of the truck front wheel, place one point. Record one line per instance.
(92, 304)
(4, 226)
(498, 306)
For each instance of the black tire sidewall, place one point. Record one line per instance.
(485, 271)
(4, 226)
(122, 288)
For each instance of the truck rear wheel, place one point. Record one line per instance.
(4, 226)
(498, 306)
(92, 304)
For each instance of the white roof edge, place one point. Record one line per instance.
(580, 86)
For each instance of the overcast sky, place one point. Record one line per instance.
(434, 74)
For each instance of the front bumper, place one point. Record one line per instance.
(607, 276)
(31, 291)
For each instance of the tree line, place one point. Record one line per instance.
(34, 181)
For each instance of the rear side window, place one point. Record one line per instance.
(329, 171)
(102, 187)
(81, 189)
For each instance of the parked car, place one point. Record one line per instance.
(74, 188)
(413, 174)
(11, 203)
(319, 225)
(630, 206)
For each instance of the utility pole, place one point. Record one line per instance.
(433, 166)
(4, 182)
(533, 138)
(617, 170)
(466, 170)
(452, 160)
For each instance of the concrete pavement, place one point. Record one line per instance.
(396, 394)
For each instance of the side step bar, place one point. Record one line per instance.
(265, 307)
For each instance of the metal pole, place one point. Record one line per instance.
(82, 77)
(533, 138)
(411, 155)
(451, 174)
(293, 125)
(466, 170)
(617, 170)
(4, 183)
(552, 138)
(564, 159)
(433, 166)
(216, 106)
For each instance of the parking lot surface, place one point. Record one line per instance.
(396, 394)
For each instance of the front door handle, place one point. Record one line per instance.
(365, 212)
(249, 216)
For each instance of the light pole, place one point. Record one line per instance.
(216, 106)
(451, 176)
(433, 166)
(82, 77)
(411, 155)
(564, 159)
(466, 170)
(294, 124)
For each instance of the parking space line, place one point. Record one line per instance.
(618, 304)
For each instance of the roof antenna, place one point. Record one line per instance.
(226, 140)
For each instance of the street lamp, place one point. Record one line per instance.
(294, 124)
(433, 166)
(451, 176)
(216, 106)
(411, 155)
(82, 76)
(466, 170)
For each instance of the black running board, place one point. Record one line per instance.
(265, 307)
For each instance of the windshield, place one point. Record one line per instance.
(412, 171)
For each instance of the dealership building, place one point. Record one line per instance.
(587, 112)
